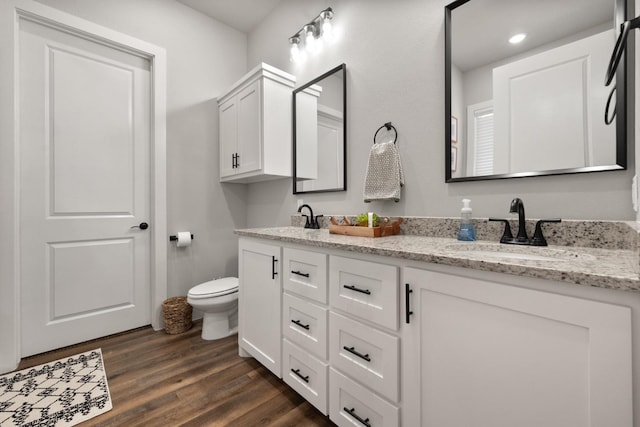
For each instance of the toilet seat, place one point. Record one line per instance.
(214, 288)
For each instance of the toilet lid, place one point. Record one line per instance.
(218, 287)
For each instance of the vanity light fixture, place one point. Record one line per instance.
(312, 34)
(517, 38)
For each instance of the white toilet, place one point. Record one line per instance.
(218, 300)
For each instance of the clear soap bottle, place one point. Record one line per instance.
(467, 232)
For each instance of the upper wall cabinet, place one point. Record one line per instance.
(255, 127)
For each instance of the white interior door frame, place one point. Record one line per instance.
(12, 12)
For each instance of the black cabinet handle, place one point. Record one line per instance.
(274, 273)
(352, 350)
(407, 302)
(299, 375)
(237, 160)
(353, 288)
(299, 323)
(352, 412)
(300, 274)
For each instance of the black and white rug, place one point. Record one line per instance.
(61, 393)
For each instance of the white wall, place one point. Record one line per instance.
(204, 58)
(395, 72)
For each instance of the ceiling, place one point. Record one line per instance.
(480, 28)
(243, 15)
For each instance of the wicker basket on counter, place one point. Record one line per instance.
(177, 315)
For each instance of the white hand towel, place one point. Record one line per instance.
(384, 173)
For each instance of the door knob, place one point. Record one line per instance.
(142, 226)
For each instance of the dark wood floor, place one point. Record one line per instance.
(157, 379)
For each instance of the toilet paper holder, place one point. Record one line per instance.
(173, 237)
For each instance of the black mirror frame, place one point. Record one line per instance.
(621, 108)
(343, 68)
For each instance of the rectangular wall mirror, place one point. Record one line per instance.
(536, 107)
(320, 133)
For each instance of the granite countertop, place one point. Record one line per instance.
(604, 268)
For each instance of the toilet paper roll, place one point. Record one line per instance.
(184, 239)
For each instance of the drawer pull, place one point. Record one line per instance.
(360, 355)
(300, 274)
(274, 273)
(299, 375)
(352, 412)
(353, 288)
(299, 323)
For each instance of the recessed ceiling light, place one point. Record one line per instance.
(517, 38)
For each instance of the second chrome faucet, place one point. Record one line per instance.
(517, 206)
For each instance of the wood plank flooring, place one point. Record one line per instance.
(157, 379)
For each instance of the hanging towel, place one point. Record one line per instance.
(384, 173)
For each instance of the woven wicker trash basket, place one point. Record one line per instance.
(177, 315)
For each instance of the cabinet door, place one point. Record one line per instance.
(249, 129)
(228, 117)
(486, 354)
(259, 302)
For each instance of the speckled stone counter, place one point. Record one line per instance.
(605, 268)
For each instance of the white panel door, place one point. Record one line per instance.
(527, 124)
(84, 182)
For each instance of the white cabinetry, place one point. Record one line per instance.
(364, 358)
(255, 127)
(479, 349)
(304, 325)
(486, 354)
(260, 302)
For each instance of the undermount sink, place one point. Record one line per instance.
(520, 253)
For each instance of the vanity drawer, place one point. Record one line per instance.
(365, 289)
(351, 405)
(305, 273)
(305, 374)
(305, 324)
(368, 355)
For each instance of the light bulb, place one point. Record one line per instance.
(327, 29)
(295, 50)
(310, 39)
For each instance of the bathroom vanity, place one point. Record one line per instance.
(410, 330)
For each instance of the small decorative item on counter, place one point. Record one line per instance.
(385, 227)
(363, 219)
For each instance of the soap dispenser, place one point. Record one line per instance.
(467, 232)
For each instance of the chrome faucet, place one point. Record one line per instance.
(311, 222)
(517, 205)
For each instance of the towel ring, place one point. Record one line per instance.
(388, 126)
